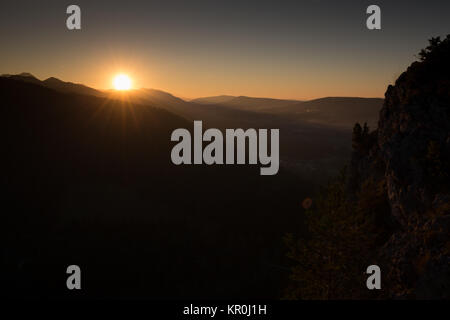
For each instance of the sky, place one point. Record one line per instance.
(301, 49)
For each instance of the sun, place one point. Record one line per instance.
(122, 82)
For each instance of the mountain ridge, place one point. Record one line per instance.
(331, 111)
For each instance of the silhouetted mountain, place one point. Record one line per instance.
(159, 98)
(152, 96)
(324, 147)
(161, 95)
(89, 181)
(246, 103)
(340, 111)
(24, 76)
(334, 111)
(213, 100)
(54, 83)
(220, 110)
(70, 87)
(258, 104)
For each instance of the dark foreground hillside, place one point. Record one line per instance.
(391, 207)
(89, 181)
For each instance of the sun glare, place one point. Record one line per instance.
(122, 82)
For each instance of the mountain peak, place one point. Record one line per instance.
(52, 80)
(19, 75)
(26, 74)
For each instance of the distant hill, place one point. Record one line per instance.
(334, 111)
(259, 104)
(246, 103)
(161, 95)
(24, 76)
(339, 111)
(70, 87)
(56, 84)
(213, 100)
(156, 97)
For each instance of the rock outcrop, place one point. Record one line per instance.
(413, 143)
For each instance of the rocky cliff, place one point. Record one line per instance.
(409, 155)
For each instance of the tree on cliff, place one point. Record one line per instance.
(435, 49)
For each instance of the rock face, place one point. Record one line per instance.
(415, 122)
(413, 143)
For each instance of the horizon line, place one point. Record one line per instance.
(189, 99)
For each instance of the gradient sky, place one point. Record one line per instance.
(299, 49)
